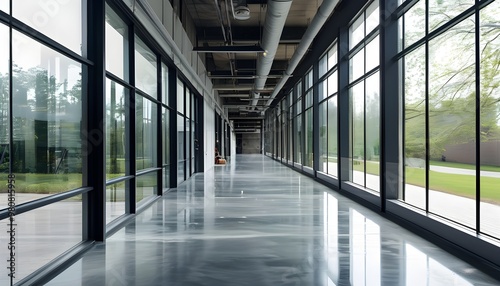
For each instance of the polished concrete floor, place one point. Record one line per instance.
(257, 222)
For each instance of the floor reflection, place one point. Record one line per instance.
(256, 222)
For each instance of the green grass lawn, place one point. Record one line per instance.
(461, 185)
(464, 166)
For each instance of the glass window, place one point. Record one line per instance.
(298, 139)
(47, 114)
(442, 11)
(115, 201)
(145, 133)
(332, 136)
(145, 68)
(40, 227)
(332, 57)
(116, 45)
(166, 135)
(357, 66)
(5, 6)
(452, 119)
(164, 84)
(189, 94)
(180, 96)
(357, 100)
(4, 106)
(309, 160)
(323, 137)
(414, 23)
(332, 83)
(115, 129)
(372, 17)
(414, 136)
(372, 54)
(323, 65)
(322, 90)
(146, 187)
(59, 20)
(356, 32)
(372, 132)
(489, 114)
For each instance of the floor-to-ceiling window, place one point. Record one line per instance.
(117, 115)
(298, 134)
(181, 133)
(146, 120)
(165, 121)
(364, 95)
(308, 120)
(41, 114)
(328, 112)
(452, 133)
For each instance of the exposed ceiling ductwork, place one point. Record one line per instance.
(324, 12)
(277, 12)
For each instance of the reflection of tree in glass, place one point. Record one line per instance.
(452, 96)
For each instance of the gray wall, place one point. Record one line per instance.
(251, 143)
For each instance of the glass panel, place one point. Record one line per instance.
(323, 135)
(332, 136)
(188, 139)
(414, 23)
(372, 110)
(358, 134)
(442, 11)
(115, 129)
(357, 66)
(490, 112)
(42, 235)
(309, 99)
(189, 95)
(47, 114)
(146, 187)
(145, 133)
(356, 32)
(59, 20)
(372, 54)
(180, 96)
(145, 68)
(291, 128)
(452, 122)
(164, 84)
(372, 17)
(309, 138)
(332, 83)
(116, 45)
(166, 135)
(414, 137)
(322, 90)
(332, 57)
(322, 66)
(115, 201)
(180, 138)
(4, 106)
(5, 6)
(298, 139)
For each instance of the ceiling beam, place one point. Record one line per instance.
(229, 49)
(244, 34)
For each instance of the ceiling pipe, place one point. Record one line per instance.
(276, 14)
(324, 11)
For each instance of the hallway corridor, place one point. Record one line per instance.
(256, 222)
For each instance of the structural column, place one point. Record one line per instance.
(391, 124)
(94, 202)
